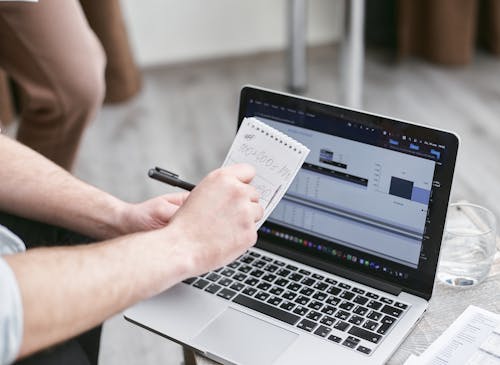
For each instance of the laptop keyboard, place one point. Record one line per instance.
(338, 312)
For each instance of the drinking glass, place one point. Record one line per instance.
(469, 245)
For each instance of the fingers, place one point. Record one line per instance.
(176, 198)
(258, 211)
(243, 172)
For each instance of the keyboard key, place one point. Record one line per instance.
(364, 350)
(237, 286)
(263, 286)
(257, 273)
(305, 272)
(226, 293)
(296, 277)
(291, 267)
(327, 321)
(351, 342)
(374, 315)
(320, 286)
(239, 277)
(400, 305)
(387, 323)
(319, 296)
(281, 282)
(328, 309)
(271, 268)
(386, 300)
(262, 295)
(213, 276)
(347, 295)
(341, 326)
(276, 291)
(245, 268)
(254, 254)
(308, 281)
(249, 291)
(370, 325)
(269, 278)
(234, 265)
(357, 320)
(331, 281)
(267, 258)
(392, 311)
(283, 272)
(213, 288)
(225, 282)
(302, 300)
(189, 280)
(227, 272)
(278, 263)
(333, 290)
(372, 296)
(274, 300)
(294, 287)
(333, 301)
(315, 305)
(364, 334)
(306, 325)
(360, 300)
(260, 264)
(247, 259)
(322, 331)
(360, 310)
(346, 305)
(266, 309)
(288, 306)
(374, 304)
(300, 310)
(288, 295)
(251, 281)
(313, 316)
(201, 283)
(334, 338)
(306, 291)
(358, 291)
(344, 286)
(342, 315)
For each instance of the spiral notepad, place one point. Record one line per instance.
(276, 157)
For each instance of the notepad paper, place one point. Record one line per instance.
(276, 157)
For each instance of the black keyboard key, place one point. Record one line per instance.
(371, 295)
(225, 282)
(251, 281)
(213, 276)
(308, 281)
(351, 342)
(281, 282)
(400, 305)
(249, 291)
(271, 268)
(266, 309)
(237, 286)
(278, 263)
(247, 259)
(342, 315)
(227, 272)
(313, 316)
(245, 268)
(333, 290)
(213, 288)
(392, 311)
(357, 320)
(334, 338)
(341, 326)
(267, 258)
(365, 334)
(269, 278)
(292, 268)
(344, 286)
(257, 273)
(305, 272)
(239, 277)
(276, 291)
(328, 309)
(360, 310)
(189, 280)
(318, 276)
(296, 277)
(288, 306)
(274, 300)
(316, 305)
(306, 325)
(294, 287)
(301, 310)
(322, 331)
(347, 295)
(254, 254)
(226, 293)
(333, 301)
(387, 323)
(319, 296)
(320, 286)
(262, 295)
(364, 350)
(263, 286)
(374, 305)
(201, 283)
(288, 295)
(302, 300)
(358, 291)
(386, 300)
(374, 315)
(283, 272)
(234, 265)
(327, 321)
(360, 300)
(260, 264)
(306, 291)
(370, 325)
(346, 305)
(331, 281)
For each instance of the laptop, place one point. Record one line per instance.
(344, 267)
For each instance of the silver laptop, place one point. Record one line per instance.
(345, 265)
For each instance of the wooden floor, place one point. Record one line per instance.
(185, 118)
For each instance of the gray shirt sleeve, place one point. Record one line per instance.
(11, 310)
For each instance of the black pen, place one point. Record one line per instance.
(169, 178)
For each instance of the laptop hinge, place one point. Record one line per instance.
(328, 267)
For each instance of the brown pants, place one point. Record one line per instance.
(50, 51)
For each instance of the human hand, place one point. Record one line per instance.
(216, 223)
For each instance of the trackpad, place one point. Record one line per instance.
(242, 339)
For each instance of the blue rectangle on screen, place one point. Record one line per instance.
(420, 195)
(414, 147)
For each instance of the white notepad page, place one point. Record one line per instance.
(276, 157)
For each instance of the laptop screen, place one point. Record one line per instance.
(365, 198)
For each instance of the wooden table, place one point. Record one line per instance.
(445, 306)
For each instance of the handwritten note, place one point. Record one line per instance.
(276, 157)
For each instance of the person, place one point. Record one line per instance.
(50, 294)
(49, 50)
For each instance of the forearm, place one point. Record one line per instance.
(66, 291)
(35, 188)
